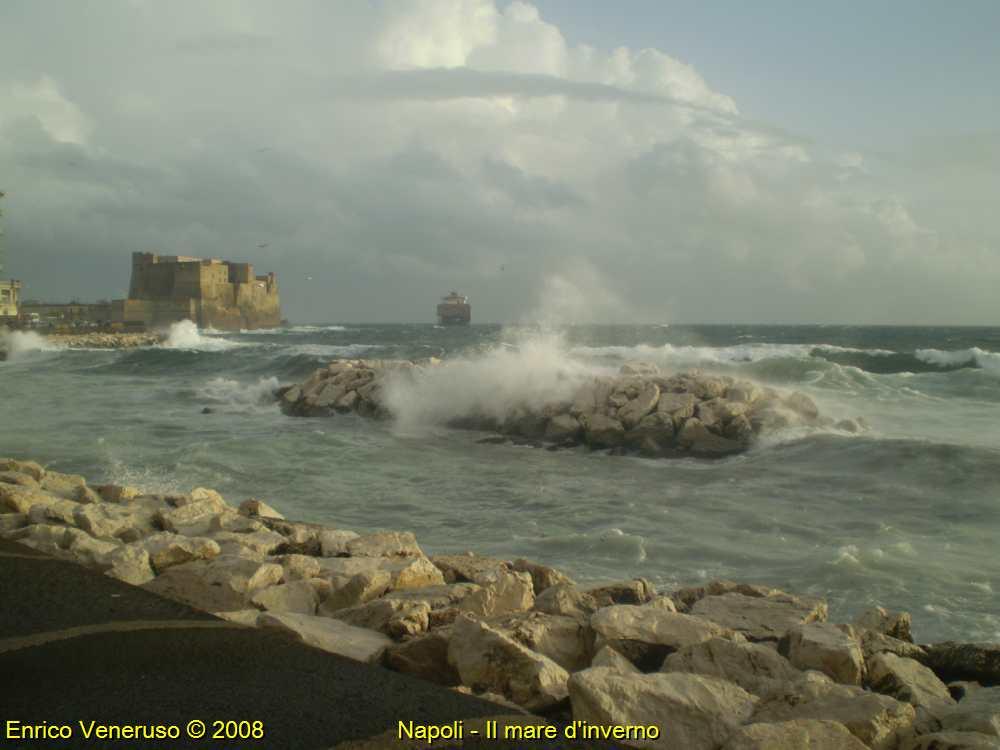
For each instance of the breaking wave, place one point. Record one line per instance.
(186, 336)
(16, 343)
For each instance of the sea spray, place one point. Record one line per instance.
(533, 371)
(17, 343)
(185, 335)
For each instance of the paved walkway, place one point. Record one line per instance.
(76, 646)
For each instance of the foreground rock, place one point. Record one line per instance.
(641, 410)
(723, 664)
(691, 711)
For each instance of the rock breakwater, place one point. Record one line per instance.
(105, 340)
(719, 665)
(639, 410)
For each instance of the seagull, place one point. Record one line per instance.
(309, 278)
(264, 244)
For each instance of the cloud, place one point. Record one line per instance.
(392, 151)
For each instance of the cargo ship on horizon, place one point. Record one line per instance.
(454, 310)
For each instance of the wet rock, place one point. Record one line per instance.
(965, 661)
(638, 407)
(696, 438)
(563, 428)
(601, 431)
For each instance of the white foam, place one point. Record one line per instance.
(185, 335)
(238, 394)
(291, 329)
(718, 354)
(974, 356)
(18, 343)
(535, 371)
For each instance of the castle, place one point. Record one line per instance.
(213, 293)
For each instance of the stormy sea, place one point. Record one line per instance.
(905, 515)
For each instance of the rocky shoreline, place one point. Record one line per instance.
(720, 665)
(90, 340)
(639, 410)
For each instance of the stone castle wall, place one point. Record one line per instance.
(212, 293)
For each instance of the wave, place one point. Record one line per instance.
(17, 343)
(237, 394)
(974, 357)
(185, 335)
(876, 361)
(291, 329)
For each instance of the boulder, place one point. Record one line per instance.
(61, 485)
(565, 640)
(264, 542)
(565, 599)
(827, 648)
(360, 588)
(55, 511)
(333, 542)
(485, 659)
(87, 550)
(951, 741)
(542, 576)
(467, 567)
(254, 508)
(297, 567)
(907, 680)
(601, 431)
(192, 519)
(678, 406)
(756, 668)
(130, 564)
(873, 643)
(21, 480)
(116, 493)
(690, 711)
(46, 538)
(102, 519)
(645, 635)
(685, 598)
(219, 585)
(393, 617)
(965, 661)
(893, 624)
(798, 734)
(743, 392)
(608, 657)
(424, 656)
(760, 618)
(166, 550)
(501, 591)
(979, 711)
(32, 469)
(563, 428)
(385, 544)
(330, 635)
(636, 591)
(653, 435)
(696, 438)
(296, 596)
(644, 402)
(12, 521)
(877, 720)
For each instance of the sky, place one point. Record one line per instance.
(565, 161)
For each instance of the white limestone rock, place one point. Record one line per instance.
(166, 549)
(756, 668)
(907, 680)
(295, 596)
(501, 591)
(798, 734)
(330, 635)
(487, 659)
(827, 648)
(692, 711)
(760, 618)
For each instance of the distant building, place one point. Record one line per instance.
(68, 313)
(213, 293)
(454, 310)
(10, 298)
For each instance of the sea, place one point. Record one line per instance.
(905, 515)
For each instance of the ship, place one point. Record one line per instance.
(454, 310)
